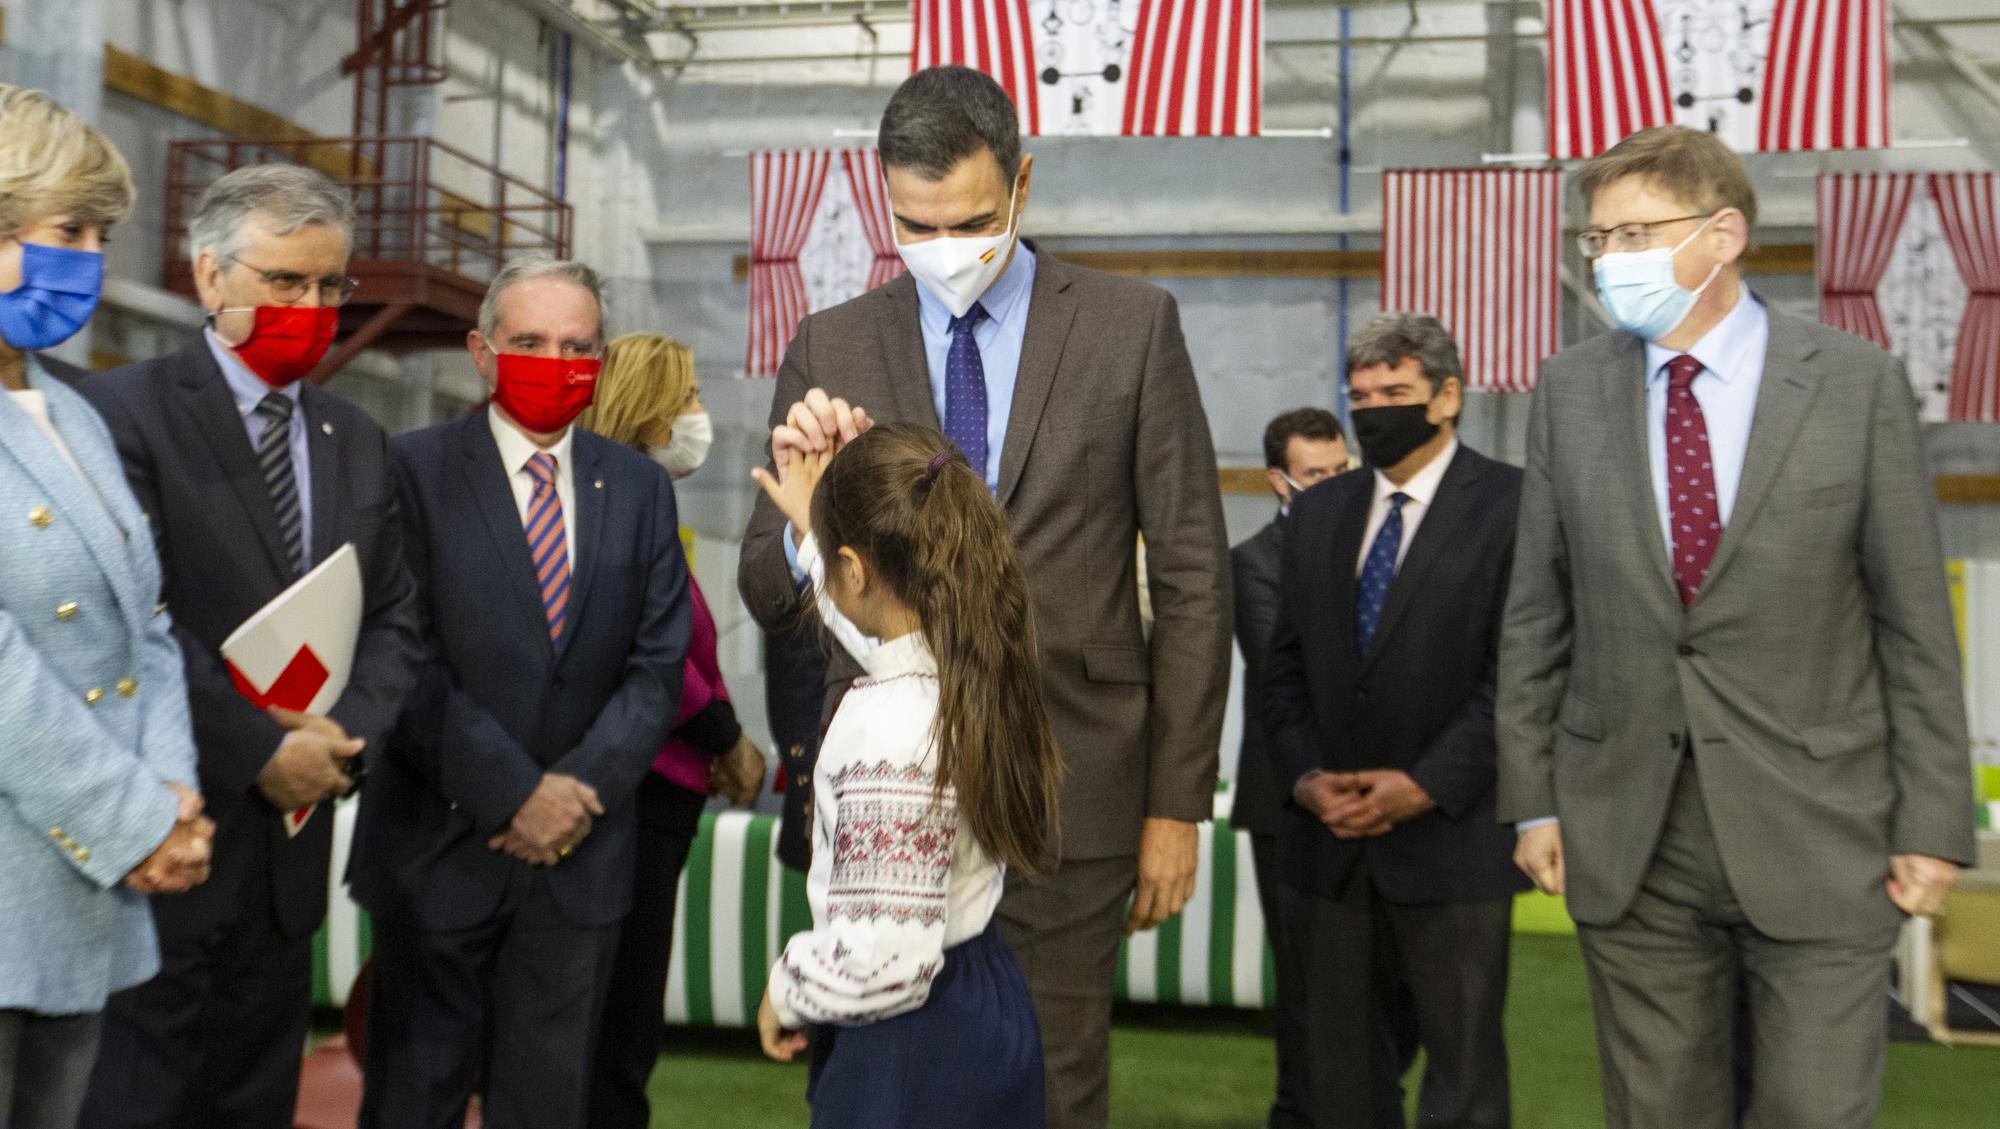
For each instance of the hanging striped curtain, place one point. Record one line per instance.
(871, 203)
(1970, 217)
(784, 194)
(1197, 69)
(1480, 250)
(995, 36)
(1179, 68)
(1826, 79)
(1762, 74)
(1860, 217)
(1607, 74)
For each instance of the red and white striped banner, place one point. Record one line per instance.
(1181, 68)
(1911, 261)
(815, 241)
(1480, 250)
(1762, 74)
(1969, 213)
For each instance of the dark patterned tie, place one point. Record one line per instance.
(274, 458)
(965, 391)
(548, 542)
(1372, 592)
(1696, 521)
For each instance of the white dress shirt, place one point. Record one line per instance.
(515, 451)
(896, 879)
(1420, 490)
(1732, 370)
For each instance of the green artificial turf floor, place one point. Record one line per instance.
(1205, 1069)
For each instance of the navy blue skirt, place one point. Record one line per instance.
(970, 1058)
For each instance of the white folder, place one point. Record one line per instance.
(298, 650)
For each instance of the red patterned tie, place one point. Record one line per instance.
(1697, 523)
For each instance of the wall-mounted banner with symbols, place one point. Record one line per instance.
(1109, 68)
(1764, 75)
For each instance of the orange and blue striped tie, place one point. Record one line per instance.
(547, 545)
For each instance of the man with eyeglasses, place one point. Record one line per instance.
(1730, 722)
(249, 478)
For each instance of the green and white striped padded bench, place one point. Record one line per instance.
(737, 904)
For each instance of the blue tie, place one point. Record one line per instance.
(965, 391)
(1377, 571)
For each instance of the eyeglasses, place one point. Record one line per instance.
(1626, 237)
(290, 286)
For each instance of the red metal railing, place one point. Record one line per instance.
(417, 201)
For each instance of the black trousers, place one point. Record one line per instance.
(1453, 957)
(1290, 1108)
(214, 1041)
(633, 1029)
(510, 1005)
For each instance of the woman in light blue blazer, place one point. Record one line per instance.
(97, 756)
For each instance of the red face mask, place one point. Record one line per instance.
(285, 342)
(544, 394)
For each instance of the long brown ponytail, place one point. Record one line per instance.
(923, 520)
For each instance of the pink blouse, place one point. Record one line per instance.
(701, 684)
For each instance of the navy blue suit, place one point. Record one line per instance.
(469, 938)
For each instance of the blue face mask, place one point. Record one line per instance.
(58, 292)
(1640, 292)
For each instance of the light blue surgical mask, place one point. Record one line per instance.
(58, 292)
(1640, 292)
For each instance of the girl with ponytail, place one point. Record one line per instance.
(937, 775)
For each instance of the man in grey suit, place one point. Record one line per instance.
(1729, 702)
(1072, 393)
(1302, 448)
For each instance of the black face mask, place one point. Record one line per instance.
(1388, 435)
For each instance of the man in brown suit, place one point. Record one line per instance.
(1073, 394)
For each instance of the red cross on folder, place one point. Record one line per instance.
(297, 651)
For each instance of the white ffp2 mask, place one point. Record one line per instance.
(957, 270)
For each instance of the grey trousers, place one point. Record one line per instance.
(45, 1063)
(1064, 930)
(1664, 981)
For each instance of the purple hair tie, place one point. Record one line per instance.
(937, 463)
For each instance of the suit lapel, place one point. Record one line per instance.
(1051, 311)
(1783, 397)
(902, 344)
(1342, 547)
(1625, 406)
(73, 497)
(207, 400)
(487, 479)
(588, 487)
(1449, 508)
(323, 453)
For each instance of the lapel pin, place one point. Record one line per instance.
(599, 484)
(326, 429)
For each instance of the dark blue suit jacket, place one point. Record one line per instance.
(191, 466)
(1421, 700)
(496, 705)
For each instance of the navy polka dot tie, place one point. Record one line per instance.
(1697, 521)
(1378, 571)
(965, 391)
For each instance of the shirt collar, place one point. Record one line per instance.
(905, 654)
(1732, 351)
(245, 387)
(1005, 300)
(516, 449)
(1422, 486)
